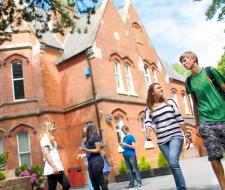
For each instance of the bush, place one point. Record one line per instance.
(38, 181)
(122, 167)
(162, 162)
(3, 160)
(144, 164)
(2, 175)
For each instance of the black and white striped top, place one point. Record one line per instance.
(166, 120)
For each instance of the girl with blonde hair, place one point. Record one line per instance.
(53, 167)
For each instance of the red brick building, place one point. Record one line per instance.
(99, 76)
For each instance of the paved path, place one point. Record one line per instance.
(197, 172)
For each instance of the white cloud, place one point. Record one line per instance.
(175, 26)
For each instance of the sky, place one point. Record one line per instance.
(175, 26)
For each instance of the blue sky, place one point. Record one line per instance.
(175, 26)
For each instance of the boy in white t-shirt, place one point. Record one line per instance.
(53, 168)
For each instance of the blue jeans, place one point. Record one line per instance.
(132, 168)
(171, 151)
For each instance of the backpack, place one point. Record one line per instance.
(212, 78)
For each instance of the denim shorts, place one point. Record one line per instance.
(213, 135)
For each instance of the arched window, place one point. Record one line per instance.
(191, 103)
(23, 144)
(174, 96)
(184, 100)
(147, 76)
(119, 125)
(118, 76)
(17, 81)
(129, 79)
(154, 75)
(1, 145)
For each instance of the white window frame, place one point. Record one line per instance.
(2, 139)
(191, 102)
(154, 75)
(147, 76)
(119, 132)
(20, 153)
(130, 84)
(18, 79)
(184, 99)
(118, 76)
(174, 96)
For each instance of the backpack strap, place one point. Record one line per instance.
(188, 82)
(212, 78)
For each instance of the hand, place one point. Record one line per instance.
(187, 142)
(55, 170)
(197, 131)
(148, 133)
(80, 156)
(121, 144)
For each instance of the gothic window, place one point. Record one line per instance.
(118, 76)
(147, 76)
(17, 81)
(129, 79)
(23, 144)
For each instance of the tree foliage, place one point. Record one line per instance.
(217, 6)
(221, 65)
(63, 13)
(180, 69)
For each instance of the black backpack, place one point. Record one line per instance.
(211, 77)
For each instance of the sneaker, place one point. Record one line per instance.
(139, 184)
(130, 186)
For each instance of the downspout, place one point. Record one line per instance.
(89, 56)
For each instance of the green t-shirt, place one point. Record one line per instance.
(210, 104)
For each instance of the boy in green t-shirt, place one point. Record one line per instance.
(209, 109)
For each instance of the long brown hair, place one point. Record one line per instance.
(150, 98)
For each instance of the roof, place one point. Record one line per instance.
(50, 39)
(172, 74)
(79, 42)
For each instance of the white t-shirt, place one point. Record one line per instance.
(48, 170)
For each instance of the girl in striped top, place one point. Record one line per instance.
(164, 118)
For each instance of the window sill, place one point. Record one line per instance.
(133, 94)
(20, 100)
(188, 113)
(121, 92)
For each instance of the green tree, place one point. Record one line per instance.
(221, 65)
(39, 13)
(180, 69)
(217, 6)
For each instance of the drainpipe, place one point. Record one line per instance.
(89, 56)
